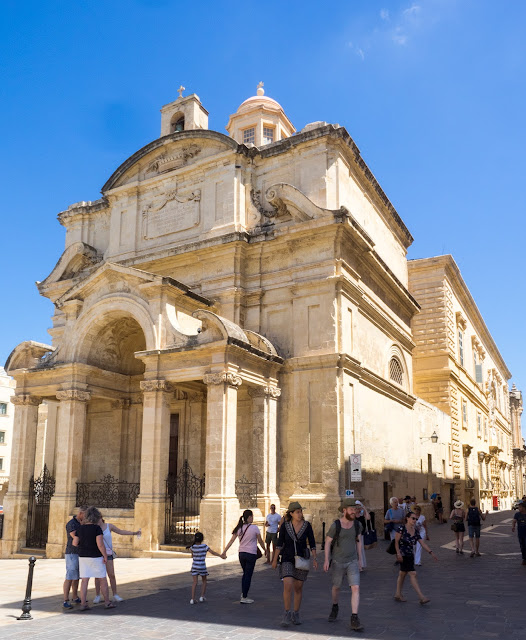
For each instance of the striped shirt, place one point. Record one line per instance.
(199, 552)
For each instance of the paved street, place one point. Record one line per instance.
(470, 598)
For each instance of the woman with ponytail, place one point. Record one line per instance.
(249, 537)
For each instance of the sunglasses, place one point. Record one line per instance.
(413, 518)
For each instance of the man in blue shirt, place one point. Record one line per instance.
(519, 520)
(72, 560)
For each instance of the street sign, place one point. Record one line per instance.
(349, 493)
(355, 461)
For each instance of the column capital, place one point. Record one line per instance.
(74, 394)
(261, 392)
(121, 403)
(222, 378)
(26, 399)
(156, 385)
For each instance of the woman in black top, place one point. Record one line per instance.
(295, 537)
(92, 556)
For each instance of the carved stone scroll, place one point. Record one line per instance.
(156, 385)
(26, 399)
(74, 394)
(258, 392)
(222, 378)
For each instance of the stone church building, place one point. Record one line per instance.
(234, 310)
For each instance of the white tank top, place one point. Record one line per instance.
(106, 536)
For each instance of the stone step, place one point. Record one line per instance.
(167, 555)
(26, 552)
(174, 548)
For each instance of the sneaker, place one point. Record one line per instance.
(202, 599)
(287, 619)
(193, 601)
(117, 598)
(356, 625)
(472, 554)
(295, 617)
(97, 599)
(67, 605)
(457, 550)
(461, 552)
(246, 601)
(334, 613)
(77, 601)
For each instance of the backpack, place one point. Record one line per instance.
(473, 517)
(335, 540)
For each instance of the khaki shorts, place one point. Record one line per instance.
(349, 569)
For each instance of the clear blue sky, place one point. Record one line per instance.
(432, 91)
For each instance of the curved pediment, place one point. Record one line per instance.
(170, 153)
(76, 258)
(28, 355)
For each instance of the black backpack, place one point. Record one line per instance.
(473, 516)
(338, 525)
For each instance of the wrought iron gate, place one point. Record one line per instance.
(183, 500)
(40, 493)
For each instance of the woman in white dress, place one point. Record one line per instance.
(421, 527)
(107, 530)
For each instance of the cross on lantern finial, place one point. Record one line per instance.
(180, 91)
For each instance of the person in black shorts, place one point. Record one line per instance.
(405, 539)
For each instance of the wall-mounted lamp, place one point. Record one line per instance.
(433, 437)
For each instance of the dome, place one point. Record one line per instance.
(259, 101)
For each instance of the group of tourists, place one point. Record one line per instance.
(290, 547)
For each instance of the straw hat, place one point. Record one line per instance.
(459, 504)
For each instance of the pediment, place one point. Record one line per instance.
(170, 153)
(76, 258)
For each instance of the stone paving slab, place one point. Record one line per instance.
(470, 598)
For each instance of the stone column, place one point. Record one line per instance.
(70, 430)
(22, 464)
(150, 505)
(122, 408)
(220, 506)
(264, 417)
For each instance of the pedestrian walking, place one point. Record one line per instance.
(72, 561)
(407, 504)
(272, 525)
(92, 556)
(440, 509)
(474, 517)
(107, 530)
(199, 551)
(343, 547)
(364, 518)
(405, 539)
(458, 516)
(394, 517)
(249, 536)
(519, 521)
(295, 545)
(421, 527)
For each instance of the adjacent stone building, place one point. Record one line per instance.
(7, 389)
(458, 368)
(233, 320)
(519, 450)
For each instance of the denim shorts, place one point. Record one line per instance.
(474, 530)
(349, 569)
(72, 566)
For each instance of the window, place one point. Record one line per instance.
(485, 428)
(3, 408)
(464, 414)
(2, 437)
(178, 125)
(268, 135)
(479, 425)
(461, 346)
(249, 135)
(395, 371)
(1, 464)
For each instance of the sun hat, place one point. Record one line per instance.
(293, 506)
(459, 504)
(348, 502)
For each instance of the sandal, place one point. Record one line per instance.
(400, 599)
(85, 608)
(110, 606)
(425, 600)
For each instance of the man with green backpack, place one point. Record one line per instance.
(343, 553)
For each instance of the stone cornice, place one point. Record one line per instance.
(222, 378)
(81, 210)
(26, 399)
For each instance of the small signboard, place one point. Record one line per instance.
(349, 493)
(355, 461)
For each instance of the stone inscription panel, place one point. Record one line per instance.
(171, 218)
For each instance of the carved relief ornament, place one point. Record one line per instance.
(259, 392)
(74, 394)
(156, 385)
(25, 399)
(222, 378)
(170, 161)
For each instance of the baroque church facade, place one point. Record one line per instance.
(237, 305)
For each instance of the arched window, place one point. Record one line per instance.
(396, 373)
(178, 125)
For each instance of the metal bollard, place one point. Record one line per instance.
(26, 607)
(323, 536)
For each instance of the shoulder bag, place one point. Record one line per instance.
(370, 539)
(259, 554)
(299, 561)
